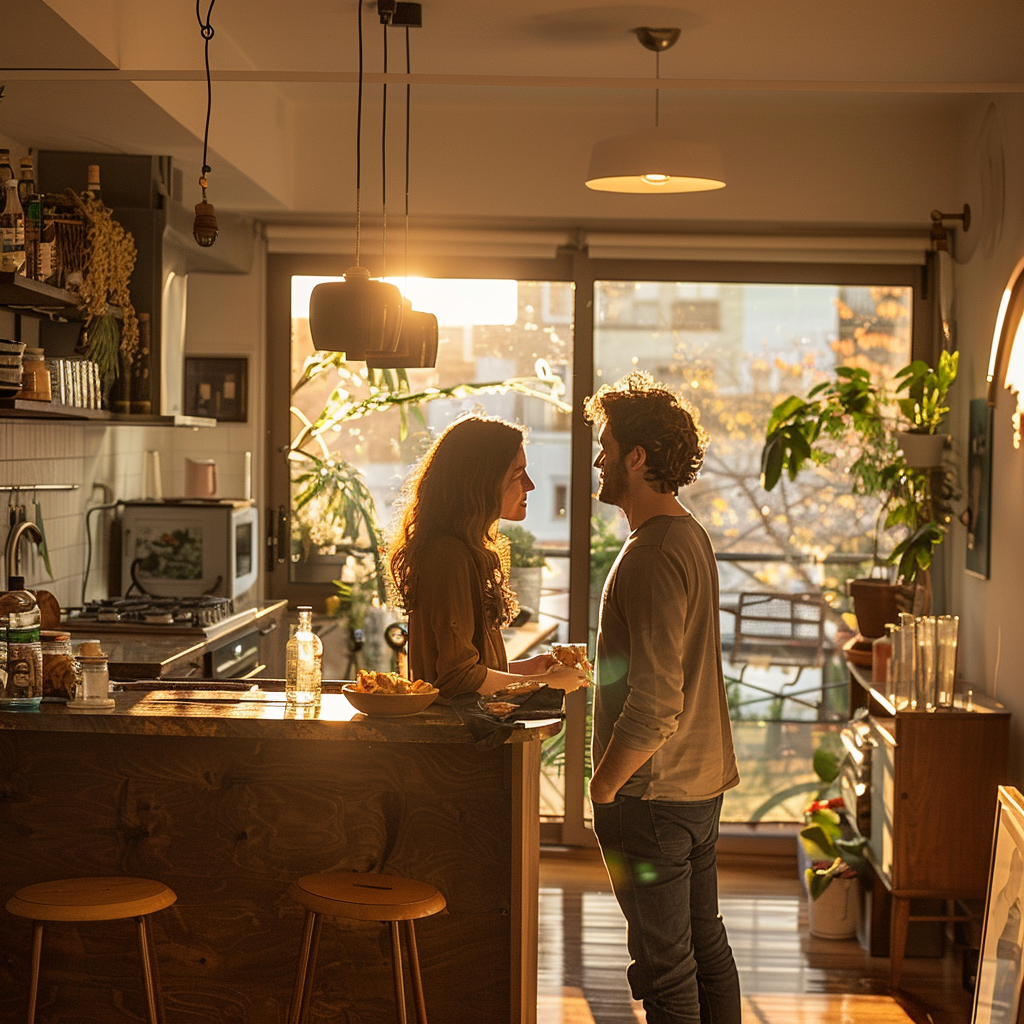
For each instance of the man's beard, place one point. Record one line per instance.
(611, 484)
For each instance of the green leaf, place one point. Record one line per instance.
(825, 764)
(818, 843)
(772, 457)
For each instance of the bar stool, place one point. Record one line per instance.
(96, 899)
(362, 896)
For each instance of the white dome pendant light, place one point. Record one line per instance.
(655, 162)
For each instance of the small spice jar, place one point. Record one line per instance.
(60, 672)
(94, 691)
(35, 377)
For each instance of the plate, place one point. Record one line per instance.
(388, 705)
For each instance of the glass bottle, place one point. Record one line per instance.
(23, 685)
(12, 228)
(303, 658)
(26, 180)
(92, 183)
(6, 170)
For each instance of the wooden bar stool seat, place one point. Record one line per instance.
(96, 899)
(363, 897)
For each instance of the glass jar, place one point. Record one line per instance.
(60, 671)
(35, 377)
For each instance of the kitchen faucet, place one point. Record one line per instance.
(12, 550)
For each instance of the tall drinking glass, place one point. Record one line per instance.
(927, 696)
(906, 682)
(946, 630)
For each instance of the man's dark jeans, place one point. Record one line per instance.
(660, 855)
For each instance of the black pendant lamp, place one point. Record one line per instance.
(417, 342)
(359, 314)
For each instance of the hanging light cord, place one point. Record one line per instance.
(408, 101)
(384, 164)
(657, 91)
(359, 132)
(206, 31)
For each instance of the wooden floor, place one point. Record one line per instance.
(786, 976)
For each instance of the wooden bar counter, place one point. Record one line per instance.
(228, 798)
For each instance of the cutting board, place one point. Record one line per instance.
(49, 609)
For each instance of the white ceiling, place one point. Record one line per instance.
(828, 113)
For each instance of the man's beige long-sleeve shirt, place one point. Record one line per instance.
(659, 683)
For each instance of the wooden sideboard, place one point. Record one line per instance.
(933, 782)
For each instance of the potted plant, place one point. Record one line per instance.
(852, 410)
(526, 567)
(924, 407)
(832, 877)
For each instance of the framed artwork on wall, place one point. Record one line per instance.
(997, 994)
(217, 386)
(978, 516)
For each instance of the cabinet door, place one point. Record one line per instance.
(883, 799)
(273, 638)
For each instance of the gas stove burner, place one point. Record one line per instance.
(195, 612)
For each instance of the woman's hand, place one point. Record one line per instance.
(563, 677)
(533, 666)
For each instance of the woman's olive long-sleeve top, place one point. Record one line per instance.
(450, 642)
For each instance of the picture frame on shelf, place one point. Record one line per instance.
(997, 994)
(217, 387)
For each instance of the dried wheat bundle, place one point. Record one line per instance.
(110, 256)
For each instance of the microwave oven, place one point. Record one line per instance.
(191, 548)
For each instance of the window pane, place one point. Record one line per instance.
(736, 350)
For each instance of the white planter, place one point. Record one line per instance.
(922, 451)
(835, 914)
(526, 582)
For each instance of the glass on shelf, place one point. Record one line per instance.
(906, 676)
(924, 634)
(946, 631)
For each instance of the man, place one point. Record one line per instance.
(662, 739)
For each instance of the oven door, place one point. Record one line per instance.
(238, 658)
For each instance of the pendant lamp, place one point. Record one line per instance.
(356, 315)
(417, 342)
(655, 161)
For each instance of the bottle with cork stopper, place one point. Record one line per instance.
(95, 686)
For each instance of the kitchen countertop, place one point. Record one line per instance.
(253, 715)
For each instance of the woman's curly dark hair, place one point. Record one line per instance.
(640, 411)
(455, 490)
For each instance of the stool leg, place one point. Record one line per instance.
(155, 970)
(307, 993)
(300, 994)
(396, 965)
(33, 984)
(414, 970)
(147, 969)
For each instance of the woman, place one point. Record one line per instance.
(445, 564)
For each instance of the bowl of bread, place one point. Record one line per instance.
(388, 695)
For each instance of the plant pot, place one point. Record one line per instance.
(922, 451)
(835, 914)
(876, 602)
(526, 582)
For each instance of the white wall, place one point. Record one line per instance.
(991, 610)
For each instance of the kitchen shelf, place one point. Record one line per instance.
(20, 408)
(18, 290)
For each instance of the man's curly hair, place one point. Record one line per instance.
(641, 411)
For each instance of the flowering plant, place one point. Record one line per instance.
(832, 856)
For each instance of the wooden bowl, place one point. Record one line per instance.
(388, 705)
